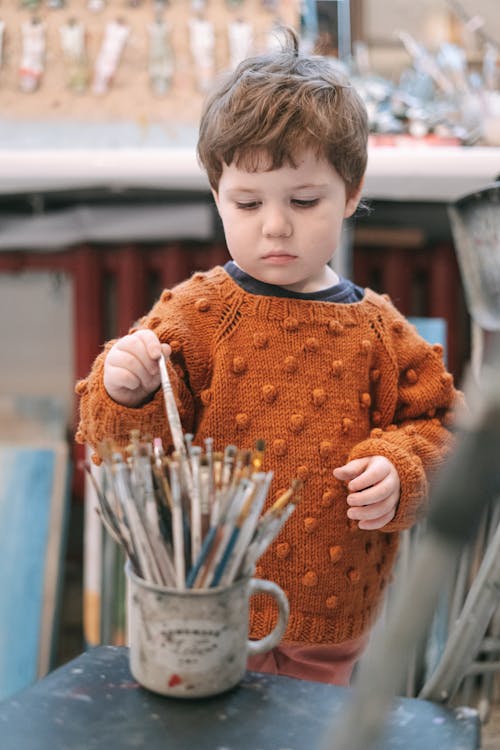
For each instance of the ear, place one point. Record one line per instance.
(216, 197)
(352, 202)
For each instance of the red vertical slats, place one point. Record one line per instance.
(131, 286)
(88, 330)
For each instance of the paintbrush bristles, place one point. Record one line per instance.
(191, 519)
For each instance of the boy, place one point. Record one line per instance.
(276, 346)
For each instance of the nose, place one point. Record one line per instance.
(276, 222)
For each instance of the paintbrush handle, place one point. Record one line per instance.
(173, 417)
(205, 547)
(219, 569)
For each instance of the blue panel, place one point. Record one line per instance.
(26, 481)
(432, 330)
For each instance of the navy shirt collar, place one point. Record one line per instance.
(344, 292)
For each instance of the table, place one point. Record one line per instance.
(93, 703)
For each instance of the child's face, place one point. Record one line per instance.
(283, 226)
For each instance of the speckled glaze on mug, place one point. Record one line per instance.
(194, 643)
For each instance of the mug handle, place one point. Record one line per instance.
(260, 586)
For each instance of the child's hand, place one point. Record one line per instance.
(131, 370)
(374, 488)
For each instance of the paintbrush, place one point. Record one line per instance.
(247, 530)
(270, 525)
(174, 421)
(177, 526)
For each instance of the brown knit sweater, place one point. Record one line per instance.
(322, 383)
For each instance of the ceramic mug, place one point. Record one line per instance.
(194, 642)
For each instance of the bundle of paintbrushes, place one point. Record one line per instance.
(192, 519)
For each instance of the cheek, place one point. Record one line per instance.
(228, 222)
(233, 232)
(238, 235)
(334, 223)
(323, 227)
(322, 237)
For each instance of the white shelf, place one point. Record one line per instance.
(409, 173)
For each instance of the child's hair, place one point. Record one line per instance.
(275, 105)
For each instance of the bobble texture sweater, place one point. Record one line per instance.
(322, 383)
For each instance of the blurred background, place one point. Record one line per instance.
(102, 205)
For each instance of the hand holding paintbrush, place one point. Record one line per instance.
(131, 372)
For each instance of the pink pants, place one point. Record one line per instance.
(330, 663)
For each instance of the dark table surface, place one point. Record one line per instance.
(93, 703)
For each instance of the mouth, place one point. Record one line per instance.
(278, 257)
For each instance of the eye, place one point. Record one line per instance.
(305, 203)
(247, 206)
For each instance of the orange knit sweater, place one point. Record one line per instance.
(322, 383)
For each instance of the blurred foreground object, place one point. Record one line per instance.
(469, 480)
(475, 224)
(467, 485)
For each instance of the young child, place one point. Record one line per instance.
(276, 346)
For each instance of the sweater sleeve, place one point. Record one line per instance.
(414, 400)
(173, 321)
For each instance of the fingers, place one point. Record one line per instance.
(131, 369)
(372, 511)
(374, 488)
(133, 360)
(375, 493)
(166, 350)
(351, 470)
(363, 472)
(145, 346)
(154, 348)
(140, 351)
(378, 523)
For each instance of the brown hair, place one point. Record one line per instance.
(274, 106)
